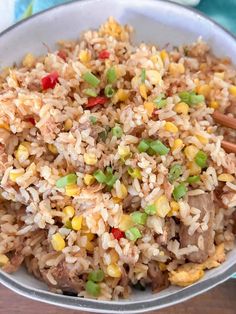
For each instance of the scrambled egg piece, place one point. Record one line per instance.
(114, 29)
(189, 273)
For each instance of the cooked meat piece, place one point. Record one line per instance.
(234, 219)
(67, 279)
(137, 131)
(159, 280)
(132, 203)
(204, 202)
(14, 264)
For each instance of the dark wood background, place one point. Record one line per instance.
(220, 300)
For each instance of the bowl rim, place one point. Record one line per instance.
(132, 306)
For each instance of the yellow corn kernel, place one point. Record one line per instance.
(190, 152)
(124, 151)
(154, 77)
(214, 104)
(69, 211)
(29, 60)
(226, 177)
(3, 260)
(90, 159)
(76, 223)
(116, 200)
(176, 68)
(162, 266)
(84, 56)
(122, 192)
(162, 206)
(164, 55)
(89, 246)
(232, 90)
(120, 95)
(181, 108)
(194, 169)
(113, 270)
(178, 144)
(204, 90)
(72, 190)
(126, 222)
(22, 153)
(89, 179)
(68, 125)
(149, 106)
(143, 91)
(4, 125)
(15, 173)
(174, 206)
(204, 140)
(90, 236)
(58, 243)
(114, 256)
(52, 148)
(171, 127)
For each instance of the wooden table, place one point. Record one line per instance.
(220, 300)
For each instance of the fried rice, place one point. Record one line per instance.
(112, 173)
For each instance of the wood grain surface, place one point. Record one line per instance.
(220, 300)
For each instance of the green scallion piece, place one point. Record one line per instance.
(135, 173)
(193, 179)
(117, 131)
(175, 172)
(143, 75)
(151, 209)
(160, 102)
(66, 180)
(139, 218)
(93, 288)
(68, 224)
(133, 234)
(111, 179)
(109, 91)
(159, 147)
(191, 98)
(93, 119)
(143, 146)
(100, 176)
(103, 135)
(111, 75)
(179, 191)
(90, 92)
(201, 159)
(96, 275)
(91, 79)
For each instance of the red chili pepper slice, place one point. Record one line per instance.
(62, 54)
(104, 54)
(117, 233)
(94, 101)
(50, 80)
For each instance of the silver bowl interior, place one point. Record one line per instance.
(157, 22)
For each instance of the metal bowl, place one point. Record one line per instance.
(158, 22)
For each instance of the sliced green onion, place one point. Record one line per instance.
(68, 224)
(179, 191)
(111, 75)
(134, 173)
(103, 135)
(90, 92)
(91, 79)
(143, 146)
(151, 152)
(143, 75)
(175, 172)
(93, 288)
(100, 176)
(139, 217)
(93, 119)
(185, 97)
(159, 147)
(201, 159)
(133, 234)
(117, 131)
(96, 275)
(109, 91)
(66, 180)
(193, 179)
(191, 98)
(111, 179)
(160, 101)
(151, 209)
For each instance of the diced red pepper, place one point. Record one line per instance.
(117, 233)
(62, 54)
(30, 120)
(94, 101)
(104, 54)
(50, 80)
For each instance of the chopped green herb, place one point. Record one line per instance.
(134, 173)
(107, 178)
(133, 234)
(117, 131)
(96, 275)
(143, 146)
(91, 79)
(191, 98)
(143, 75)
(90, 92)
(109, 91)
(175, 172)
(151, 209)
(100, 176)
(66, 180)
(179, 191)
(159, 147)
(201, 159)
(111, 75)
(193, 179)
(93, 288)
(93, 119)
(160, 101)
(139, 217)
